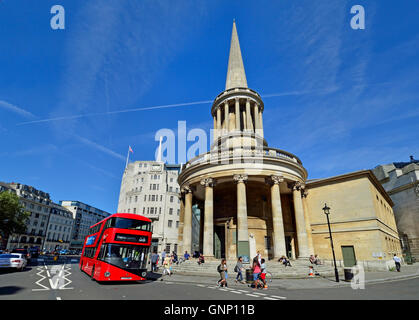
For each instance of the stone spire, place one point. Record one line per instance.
(236, 77)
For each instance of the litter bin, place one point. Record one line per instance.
(249, 275)
(348, 274)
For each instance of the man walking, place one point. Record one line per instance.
(397, 261)
(239, 268)
(154, 261)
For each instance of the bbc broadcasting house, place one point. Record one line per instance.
(150, 188)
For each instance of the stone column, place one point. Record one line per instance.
(302, 239)
(257, 118)
(307, 220)
(208, 247)
(277, 220)
(226, 116)
(215, 129)
(187, 227)
(218, 120)
(261, 122)
(237, 105)
(249, 125)
(242, 230)
(181, 221)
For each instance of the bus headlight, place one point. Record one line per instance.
(107, 274)
(143, 274)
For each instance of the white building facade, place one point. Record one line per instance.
(60, 226)
(38, 204)
(150, 188)
(84, 217)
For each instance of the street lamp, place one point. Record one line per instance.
(326, 210)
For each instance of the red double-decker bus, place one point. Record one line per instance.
(116, 248)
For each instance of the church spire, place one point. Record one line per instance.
(236, 77)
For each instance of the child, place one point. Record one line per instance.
(263, 273)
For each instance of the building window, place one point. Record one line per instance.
(169, 223)
(135, 210)
(168, 247)
(171, 211)
(160, 210)
(171, 198)
(177, 224)
(178, 211)
(152, 211)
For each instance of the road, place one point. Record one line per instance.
(62, 280)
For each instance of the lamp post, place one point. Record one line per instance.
(326, 210)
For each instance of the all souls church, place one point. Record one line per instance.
(254, 197)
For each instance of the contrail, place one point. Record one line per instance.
(116, 112)
(290, 93)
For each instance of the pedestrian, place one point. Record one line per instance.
(397, 261)
(186, 255)
(163, 256)
(201, 259)
(259, 257)
(167, 265)
(239, 269)
(222, 269)
(256, 272)
(174, 257)
(263, 273)
(154, 261)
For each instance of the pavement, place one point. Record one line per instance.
(407, 272)
(45, 279)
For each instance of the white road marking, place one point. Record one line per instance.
(200, 285)
(244, 291)
(238, 292)
(279, 297)
(253, 295)
(262, 294)
(269, 298)
(42, 278)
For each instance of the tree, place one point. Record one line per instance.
(13, 217)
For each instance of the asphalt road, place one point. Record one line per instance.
(62, 280)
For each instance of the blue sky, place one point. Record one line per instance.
(340, 99)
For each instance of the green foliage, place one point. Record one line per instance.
(13, 217)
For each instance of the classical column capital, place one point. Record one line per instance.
(186, 189)
(296, 186)
(237, 99)
(208, 182)
(276, 179)
(240, 178)
(304, 193)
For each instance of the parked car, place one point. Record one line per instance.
(64, 251)
(23, 251)
(13, 260)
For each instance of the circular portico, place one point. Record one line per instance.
(250, 195)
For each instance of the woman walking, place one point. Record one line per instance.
(256, 272)
(222, 269)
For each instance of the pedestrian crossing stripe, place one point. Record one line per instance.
(269, 298)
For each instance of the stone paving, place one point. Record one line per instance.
(407, 272)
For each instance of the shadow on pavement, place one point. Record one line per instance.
(9, 290)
